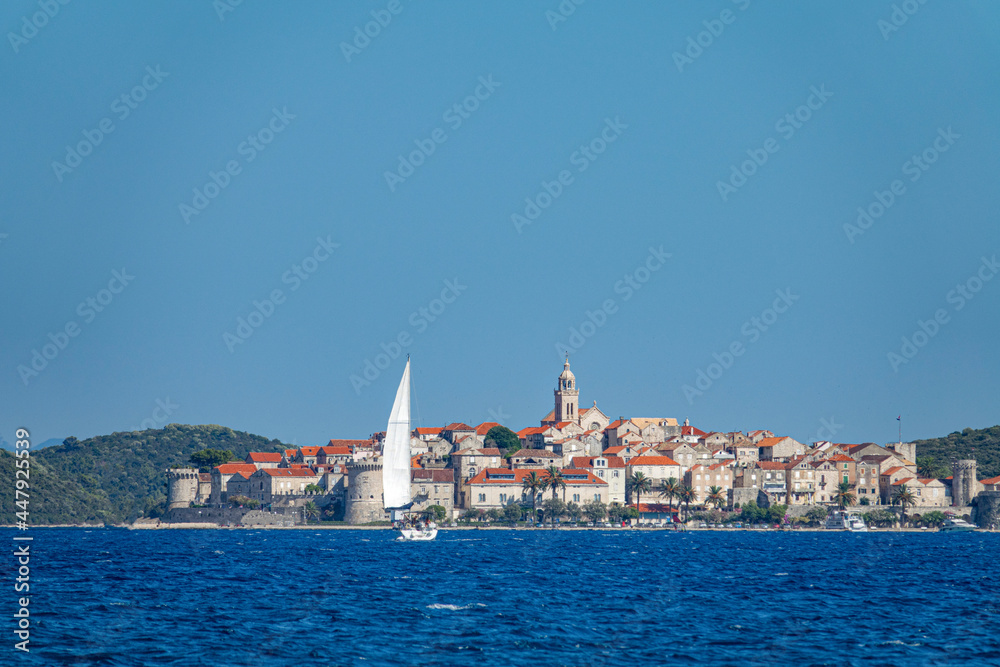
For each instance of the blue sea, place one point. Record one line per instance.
(505, 597)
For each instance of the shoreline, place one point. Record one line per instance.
(212, 526)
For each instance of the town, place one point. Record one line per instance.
(579, 465)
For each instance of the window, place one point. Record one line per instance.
(865, 491)
(614, 474)
(845, 466)
(503, 498)
(482, 497)
(597, 497)
(576, 497)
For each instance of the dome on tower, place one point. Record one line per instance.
(566, 378)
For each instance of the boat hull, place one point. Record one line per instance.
(412, 535)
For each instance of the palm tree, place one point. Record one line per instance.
(639, 484)
(310, 510)
(845, 495)
(533, 484)
(903, 497)
(553, 480)
(670, 488)
(687, 496)
(715, 496)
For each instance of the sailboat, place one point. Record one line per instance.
(396, 467)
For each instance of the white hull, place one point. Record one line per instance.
(848, 521)
(414, 535)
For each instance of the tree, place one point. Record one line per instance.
(513, 512)
(595, 510)
(845, 495)
(243, 501)
(207, 459)
(553, 508)
(639, 484)
(904, 498)
(505, 439)
(715, 496)
(934, 518)
(687, 495)
(574, 512)
(494, 514)
(879, 517)
(533, 484)
(616, 512)
(554, 480)
(311, 511)
(670, 488)
(864, 501)
(816, 515)
(776, 513)
(436, 513)
(313, 488)
(751, 513)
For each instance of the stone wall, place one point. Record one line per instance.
(986, 509)
(231, 516)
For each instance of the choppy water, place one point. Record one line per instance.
(338, 597)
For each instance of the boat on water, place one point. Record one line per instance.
(396, 469)
(846, 520)
(956, 525)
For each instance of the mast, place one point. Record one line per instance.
(396, 449)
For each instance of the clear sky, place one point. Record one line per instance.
(710, 154)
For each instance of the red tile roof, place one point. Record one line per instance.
(336, 451)
(772, 465)
(991, 480)
(893, 470)
(288, 472)
(691, 430)
(572, 476)
(531, 430)
(458, 426)
(840, 457)
(648, 460)
(290, 453)
(588, 461)
(309, 451)
(902, 481)
(264, 457)
(231, 468)
(659, 508)
(428, 430)
(485, 427)
(439, 475)
(335, 442)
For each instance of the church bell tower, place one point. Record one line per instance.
(567, 396)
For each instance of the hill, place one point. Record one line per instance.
(117, 477)
(980, 444)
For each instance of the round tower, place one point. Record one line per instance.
(964, 484)
(182, 487)
(364, 492)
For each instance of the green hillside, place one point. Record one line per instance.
(117, 477)
(980, 444)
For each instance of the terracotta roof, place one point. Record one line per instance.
(533, 453)
(347, 443)
(288, 472)
(893, 470)
(660, 508)
(573, 476)
(902, 481)
(840, 457)
(415, 461)
(458, 426)
(309, 451)
(772, 465)
(524, 432)
(290, 453)
(264, 457)
(231, 468)
(691, 430)
(440, 475)
(991, 480)
(769, 442)
(428, 430)
(648, 460)
(336, 451)
(485, 427)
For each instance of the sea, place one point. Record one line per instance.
(506, 597)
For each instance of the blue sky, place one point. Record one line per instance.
(615, 125)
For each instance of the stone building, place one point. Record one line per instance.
(432, 486)
(364, 492)
(964, 485)
(186, 486)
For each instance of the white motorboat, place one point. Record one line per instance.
(846, 520)
(396, 467)
(956, 525)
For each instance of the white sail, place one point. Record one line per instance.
(396, 449)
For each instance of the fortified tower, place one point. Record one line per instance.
(182, 487)
(567, 396)
(364, 492)
(964, 485)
